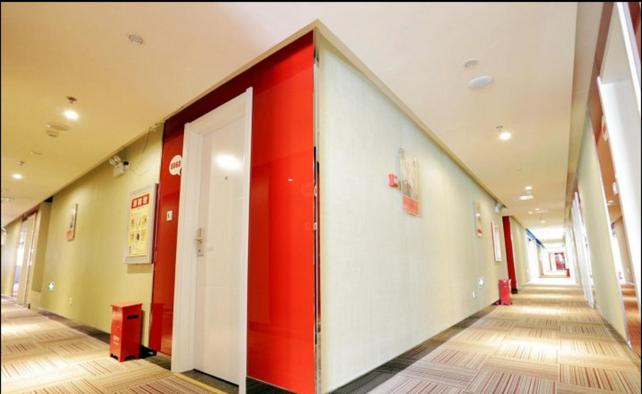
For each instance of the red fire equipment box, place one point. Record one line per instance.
(124, 342)
(504, 292)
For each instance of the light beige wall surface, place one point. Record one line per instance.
(608, 295)
(627, 266)
(520, 253)
(9, 250)
(88, 272)
(390, 280)
(40, 249)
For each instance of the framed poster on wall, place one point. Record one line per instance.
(71, 230)
(497, 246)
(140, 226)
(478, 220)
(409, 182)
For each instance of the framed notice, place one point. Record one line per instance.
(478, 219)
(140, 226)
(71, 229)
(497, 245)
(409, 182)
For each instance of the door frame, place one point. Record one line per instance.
(183, 351)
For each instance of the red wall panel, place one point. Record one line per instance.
(162, 309)
(510, 258)
(281, 302)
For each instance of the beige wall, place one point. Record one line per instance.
(389, 280)
(608, 296)
(40, 249)
(627, 266)
(89, 272)
(520, 253)
(9, 250)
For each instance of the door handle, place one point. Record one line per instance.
(199, 241)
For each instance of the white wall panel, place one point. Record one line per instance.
(608, 296)
(390, 280)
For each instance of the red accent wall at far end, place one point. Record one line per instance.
(510, 259)
(281, 302)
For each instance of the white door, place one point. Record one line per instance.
(221, 241)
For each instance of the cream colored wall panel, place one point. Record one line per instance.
(520, 253)
(88, 272)
(390, 280)
(9, 250)
(608, 295)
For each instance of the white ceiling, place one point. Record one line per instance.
(50, 51)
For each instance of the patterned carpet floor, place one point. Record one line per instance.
(548, 341)
(41, 355)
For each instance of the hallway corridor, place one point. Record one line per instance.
(548, 341)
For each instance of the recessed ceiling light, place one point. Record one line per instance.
(470, 63)
(135, 39)
(505, 135)
(526, 197)
(480, 82)
(528, 188)
(542, 221)
(71, 114)
(16, 176)
(530, 212)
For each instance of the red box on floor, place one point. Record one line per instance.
(504, 292)
(124, 341)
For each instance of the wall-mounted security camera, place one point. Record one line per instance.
(120, 165)
(499, 206)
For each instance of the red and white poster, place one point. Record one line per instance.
(409, 184)
(140, 228)
(71, 230)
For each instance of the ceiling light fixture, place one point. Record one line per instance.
(71, 114)
(17, 176)
(526, 197)
(480, 82)
(528, 188)
(505, 135)
(530, 212)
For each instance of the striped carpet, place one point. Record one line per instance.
(40, 355)
(548, 341)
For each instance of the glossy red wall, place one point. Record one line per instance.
(281, 302)
(510, 258)
(162, 309)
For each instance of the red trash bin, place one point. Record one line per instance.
(124, 341)
(504, 292)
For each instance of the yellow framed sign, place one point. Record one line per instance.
(140, 226)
